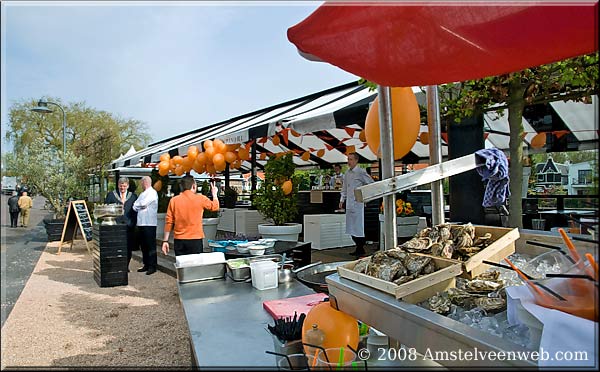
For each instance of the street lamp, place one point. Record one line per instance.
(42, 108)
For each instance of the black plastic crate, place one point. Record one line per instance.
(111, 279)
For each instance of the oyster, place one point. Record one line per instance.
(483, 241)
(463, 239)
(361, 265)
(439, 304)
(423, 233)
(428, 269)
(466, 251)
(388, 271)
(404, 279)
(489, 275)
(379, 257)
(483, 286)
(448, 249)
(417, 244)
(490, 304)
(445, 234)
(437, 248)
(397, 253)
(415, 264)
(461, 298)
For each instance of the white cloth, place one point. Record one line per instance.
(355, 217)
(562, 333)
(146, 207)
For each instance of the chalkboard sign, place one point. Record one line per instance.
(77, 216)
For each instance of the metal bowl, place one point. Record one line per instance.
(108, 210)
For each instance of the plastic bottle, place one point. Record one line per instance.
(314, 336)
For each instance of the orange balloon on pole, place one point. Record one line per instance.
(210, 168)
(163, 172)
(177, 160)
(165, 157)
(201, 158)
(178, 170)
(230, 157)
(192, 153)
(221, 166)
(164, 166)
(218, 160)
(405, 122)
(210, 153)
(187, 164)
(220, 146)
(207, 144)
(539, 140)
(340, 329)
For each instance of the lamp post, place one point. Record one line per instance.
(42, 107)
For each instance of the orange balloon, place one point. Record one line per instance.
(207, 144)
(262, 156)
(538, 141)
(178, 170)
(187, 164)
(287, 187)
(220, 146)
(165, 157)
(210, 152)
(201, 158)
(424, 138)
(221, 166)
(157, 185)
(340, 329)
(237, 164)
(305, 156)
(405, 122)
(210, 168)
(233, 146)
(218, 160)
(163, 172)
(294, 133)
(320, 153)
(177, 160)
(199, 168)
(164, 166)
(192, 153)
(276, 140)
(230, 157)
(172, 164)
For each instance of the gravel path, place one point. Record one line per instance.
(64, 319)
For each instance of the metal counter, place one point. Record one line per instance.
(417, 327)
(228, 324)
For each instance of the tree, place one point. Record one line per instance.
(572, 79)
(97, 136)
(93, 138)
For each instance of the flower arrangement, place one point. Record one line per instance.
(403, 209)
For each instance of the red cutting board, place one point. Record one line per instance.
(285, 307)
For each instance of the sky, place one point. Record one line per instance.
(176, 66)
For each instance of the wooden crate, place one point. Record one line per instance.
(417, 289)
(503, 246)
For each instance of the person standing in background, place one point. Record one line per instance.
(146, 207)
(354, 177)
(25, 203)
(13, 209)
(184, 217)
(126, 198)
(337, 180)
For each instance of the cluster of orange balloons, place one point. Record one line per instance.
(215, 158)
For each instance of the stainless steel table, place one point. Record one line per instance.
(227, 322)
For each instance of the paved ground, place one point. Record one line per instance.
(20, 249)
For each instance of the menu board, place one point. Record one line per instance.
(77, 216)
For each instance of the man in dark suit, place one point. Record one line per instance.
(13, 209)
(129, 217)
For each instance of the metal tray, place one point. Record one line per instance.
(201, 272)
(239, 274)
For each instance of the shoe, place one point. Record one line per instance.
(151, 271)
(142, 269)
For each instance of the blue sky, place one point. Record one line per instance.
(176, 66)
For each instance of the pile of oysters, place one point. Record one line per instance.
(395, 265)
(449, 241)
(485, 292)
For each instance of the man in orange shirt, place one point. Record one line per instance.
(184, 217)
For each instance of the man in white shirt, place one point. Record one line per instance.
(146, 207)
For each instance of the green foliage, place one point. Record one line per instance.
(269, 198)
(42, 169)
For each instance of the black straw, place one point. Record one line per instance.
(578, 276)
(560, 249)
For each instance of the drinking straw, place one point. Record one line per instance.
(559, 297)
(529, 282)
(592, 262)
(569, 244)
(531, 242)
(356, 352)
(577, 276)
(341, 358)
(320, 348)
(314, 363)
(281, 355)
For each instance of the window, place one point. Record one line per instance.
(584, 176)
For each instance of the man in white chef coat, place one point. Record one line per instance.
(354, 177)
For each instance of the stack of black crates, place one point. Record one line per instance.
(109, 252)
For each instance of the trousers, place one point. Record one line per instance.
(147, 235)
(24, 217)
(14, 219)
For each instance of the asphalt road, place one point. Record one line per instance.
(20, 250)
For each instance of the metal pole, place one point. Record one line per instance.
(386, 148)
(435, 153)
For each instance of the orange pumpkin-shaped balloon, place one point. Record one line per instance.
(230, 157)
(287, 187)
(362, 136)
(424, 138)
(207, 144)
(305, 156)
(538, 141)
(340, 329)
(220, 146)
(405, 122)
(192, 153)
(177, 160)
(276, 140)
(165, 157)
(157, 185)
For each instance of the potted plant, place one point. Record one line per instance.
(276, 199)
(406, 220)
(230, 197)
(210, 219)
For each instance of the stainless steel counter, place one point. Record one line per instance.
(227, 322)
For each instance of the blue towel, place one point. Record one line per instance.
(495, 172)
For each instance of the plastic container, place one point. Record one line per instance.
(580, 296)
(299, 363)
(332, 361)
(264, 275)
(257, 250)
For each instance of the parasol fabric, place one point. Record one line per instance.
(429, 43)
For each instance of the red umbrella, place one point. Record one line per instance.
(429, 43)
